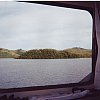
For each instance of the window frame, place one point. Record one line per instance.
(94, 50)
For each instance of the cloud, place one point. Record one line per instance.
(30, 26)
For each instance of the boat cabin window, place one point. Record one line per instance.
(43, 45)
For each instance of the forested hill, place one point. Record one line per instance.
(46, 53)
(56, 54)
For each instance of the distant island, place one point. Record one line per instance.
(75, 52)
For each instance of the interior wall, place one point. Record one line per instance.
(97, 27)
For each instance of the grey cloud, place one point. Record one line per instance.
(30, 26)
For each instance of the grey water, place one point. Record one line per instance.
(16, 73)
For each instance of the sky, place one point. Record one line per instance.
(34, 26)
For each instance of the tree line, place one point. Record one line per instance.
(55, 54)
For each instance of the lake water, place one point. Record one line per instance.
(39, 72)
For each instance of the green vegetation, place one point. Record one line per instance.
(5, 53)
(19, 51)
(56, 54)
(46, 53)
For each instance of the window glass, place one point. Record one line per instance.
(43, 45)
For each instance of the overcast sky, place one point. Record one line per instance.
(33, 26)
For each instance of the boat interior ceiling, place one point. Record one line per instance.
(89, 87)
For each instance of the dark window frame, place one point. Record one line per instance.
(94, 53)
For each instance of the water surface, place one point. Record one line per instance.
(40, 72)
